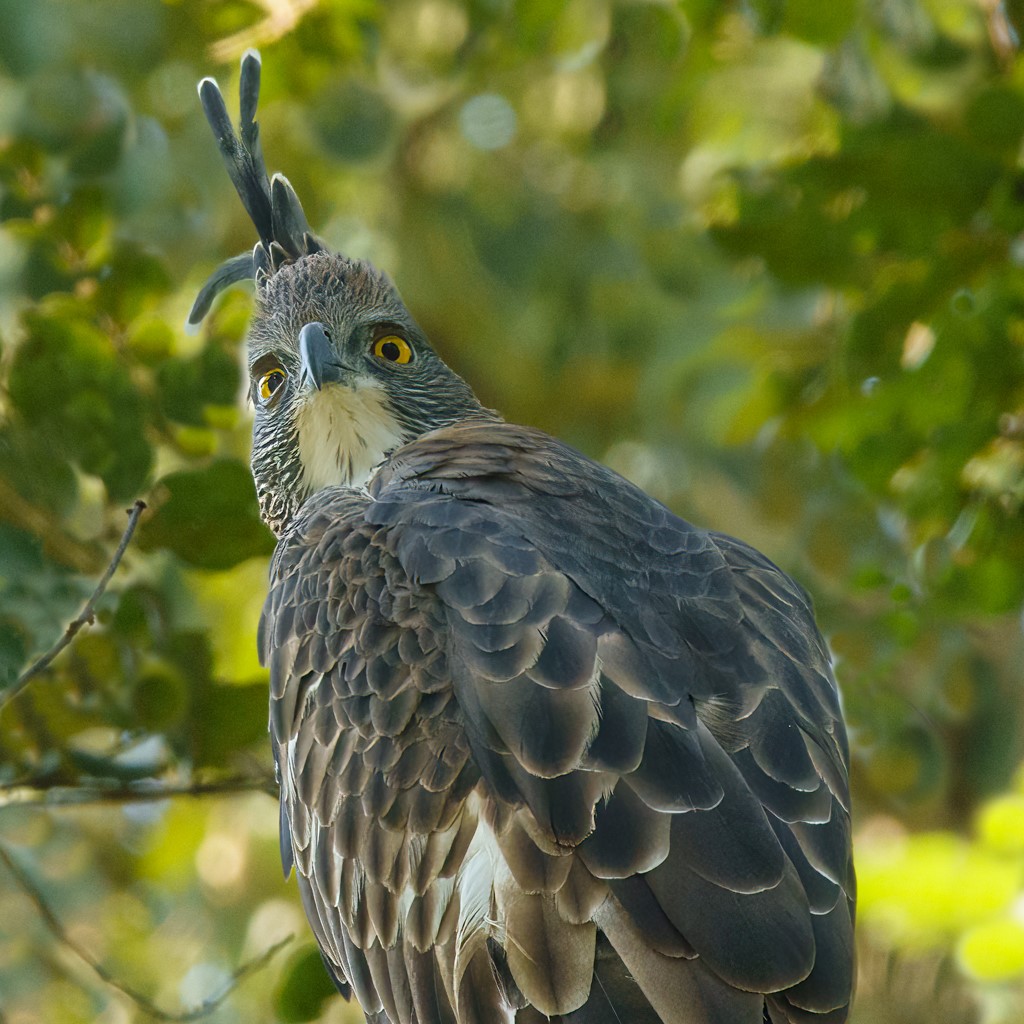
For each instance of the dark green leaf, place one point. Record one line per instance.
(304, 987)
(80, 401)
(187, 386)
(208, 517)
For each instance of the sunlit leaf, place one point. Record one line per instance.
(994, 952)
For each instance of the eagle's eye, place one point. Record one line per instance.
(270, 382)
(393, 348)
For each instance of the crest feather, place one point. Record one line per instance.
(272, 204)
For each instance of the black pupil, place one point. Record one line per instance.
(389, 350)
(274, 381)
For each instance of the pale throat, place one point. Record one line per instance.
(344, 434)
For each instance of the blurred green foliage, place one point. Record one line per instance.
(765, 258)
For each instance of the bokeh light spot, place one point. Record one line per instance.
(488, 121)
(220, 860)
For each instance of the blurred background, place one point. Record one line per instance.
(763, 257)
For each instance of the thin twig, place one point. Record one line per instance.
(85, 617)
(53, 923)
(62, 795)
(282, 17)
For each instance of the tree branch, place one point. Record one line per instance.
(85, 617)
(53, 923)
(39, 794)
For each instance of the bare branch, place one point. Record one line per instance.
(39, 794)
(53, 923)
(282, 16)
(85, 617)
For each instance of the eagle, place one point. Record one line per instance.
(546, 751)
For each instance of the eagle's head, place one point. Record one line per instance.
(340, 373)
(340, 376)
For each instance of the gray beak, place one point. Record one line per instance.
(319, 359)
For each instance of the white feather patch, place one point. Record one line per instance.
(484, 872)
(344, 434)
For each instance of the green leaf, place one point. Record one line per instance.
(824, 24)
(353, 122)
(994, 951)
(188, 385)
(160, 697)
(13, 651)
(81, 402)
(208, 517)
(20, 556)
(233, 719)
(78, 111)
(304, 987)
(132, 282)
(36, 471)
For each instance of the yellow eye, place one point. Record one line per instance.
(393, 348)
(270, 382)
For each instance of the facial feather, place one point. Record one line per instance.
(343, 434)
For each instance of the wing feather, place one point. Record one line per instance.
(551, 959)
(546, 748)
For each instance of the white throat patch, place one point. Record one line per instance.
(344, 433)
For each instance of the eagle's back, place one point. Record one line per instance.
(548, 751)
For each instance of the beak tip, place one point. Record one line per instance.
(317, 354)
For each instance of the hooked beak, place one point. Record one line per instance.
(319, 360)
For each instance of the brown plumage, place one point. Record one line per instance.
(546, 751)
